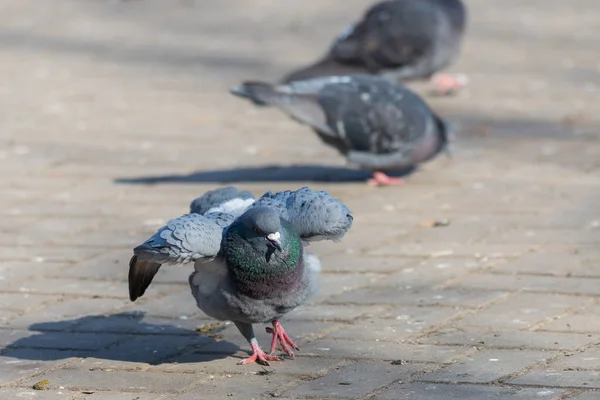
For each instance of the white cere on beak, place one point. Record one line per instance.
(274, 236)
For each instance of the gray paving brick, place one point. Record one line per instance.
(587, 359)
(334, 313)
(532, 283)
(10, 393)
(511, 339)
(380, 350)
(355, 380)
(523, 310)
(404, 325)
(488, 365)
(547, 261)
(199, 361)
(575, 323)
(12, 273)
(151, 349)
(66, 314)
(22, 301)
(584, 379)
(22, 363)
(366, 264)
(116, 380)
(589, 395)
(439, 391)
(239, 387)
(64, 340)
(420, 295)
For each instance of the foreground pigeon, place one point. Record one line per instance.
(251, 264)
(401, 39)
(376, 124)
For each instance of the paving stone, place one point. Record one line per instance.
(583, 379)
(548, 262)
(110, 265)
(65, 340)
(65, 314)
(239, 387)
(366, 264)
(331, 284)
(487, 365)
(575, 323)
(339, 348)
(419, 295)
(135, 322)
(403, 326)
(532, 283)
(151, 349)
(587, 359)
(355, 380)
(116, 380)
(439, 391)
(22, 301)
(585, 396)
(334, 313)
(511, 339)
(523, 310)
(13, 273)
(198, 361)
(10, 393)
(22, 363)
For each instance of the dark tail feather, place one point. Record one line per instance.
(259, 93)
(325, 67)
(141, 274)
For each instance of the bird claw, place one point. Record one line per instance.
(447, 84)
(285, 341)
(381, 179)
(259, 356)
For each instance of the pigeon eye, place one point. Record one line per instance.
(256, 229)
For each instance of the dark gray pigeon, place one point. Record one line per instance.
(251, 262)
(399, 39)
(379, 125)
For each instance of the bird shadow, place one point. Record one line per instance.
(268, 173)
(124, 337)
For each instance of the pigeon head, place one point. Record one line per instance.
(261, 227)
(260, 243)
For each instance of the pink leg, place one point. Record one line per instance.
(381, 179)
(446, 84)
(284, 340)
(258, 355)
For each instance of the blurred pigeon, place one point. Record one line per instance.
(251, 263)
(376, 124)
(399, 39)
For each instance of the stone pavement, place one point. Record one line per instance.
(115, 114)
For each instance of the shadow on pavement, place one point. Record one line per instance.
(274, 173)
(119, 337)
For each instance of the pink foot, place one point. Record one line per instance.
(381, 179)
(284, 340)
(259, 356)
(446, 84)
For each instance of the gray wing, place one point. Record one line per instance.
(184, 239)
(218, 197)
(314, 214)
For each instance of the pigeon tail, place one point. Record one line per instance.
(259, 92)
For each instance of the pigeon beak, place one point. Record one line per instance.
(273, 239)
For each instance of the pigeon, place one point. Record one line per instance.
(399, 39)
(377, 124)
(250, 259)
